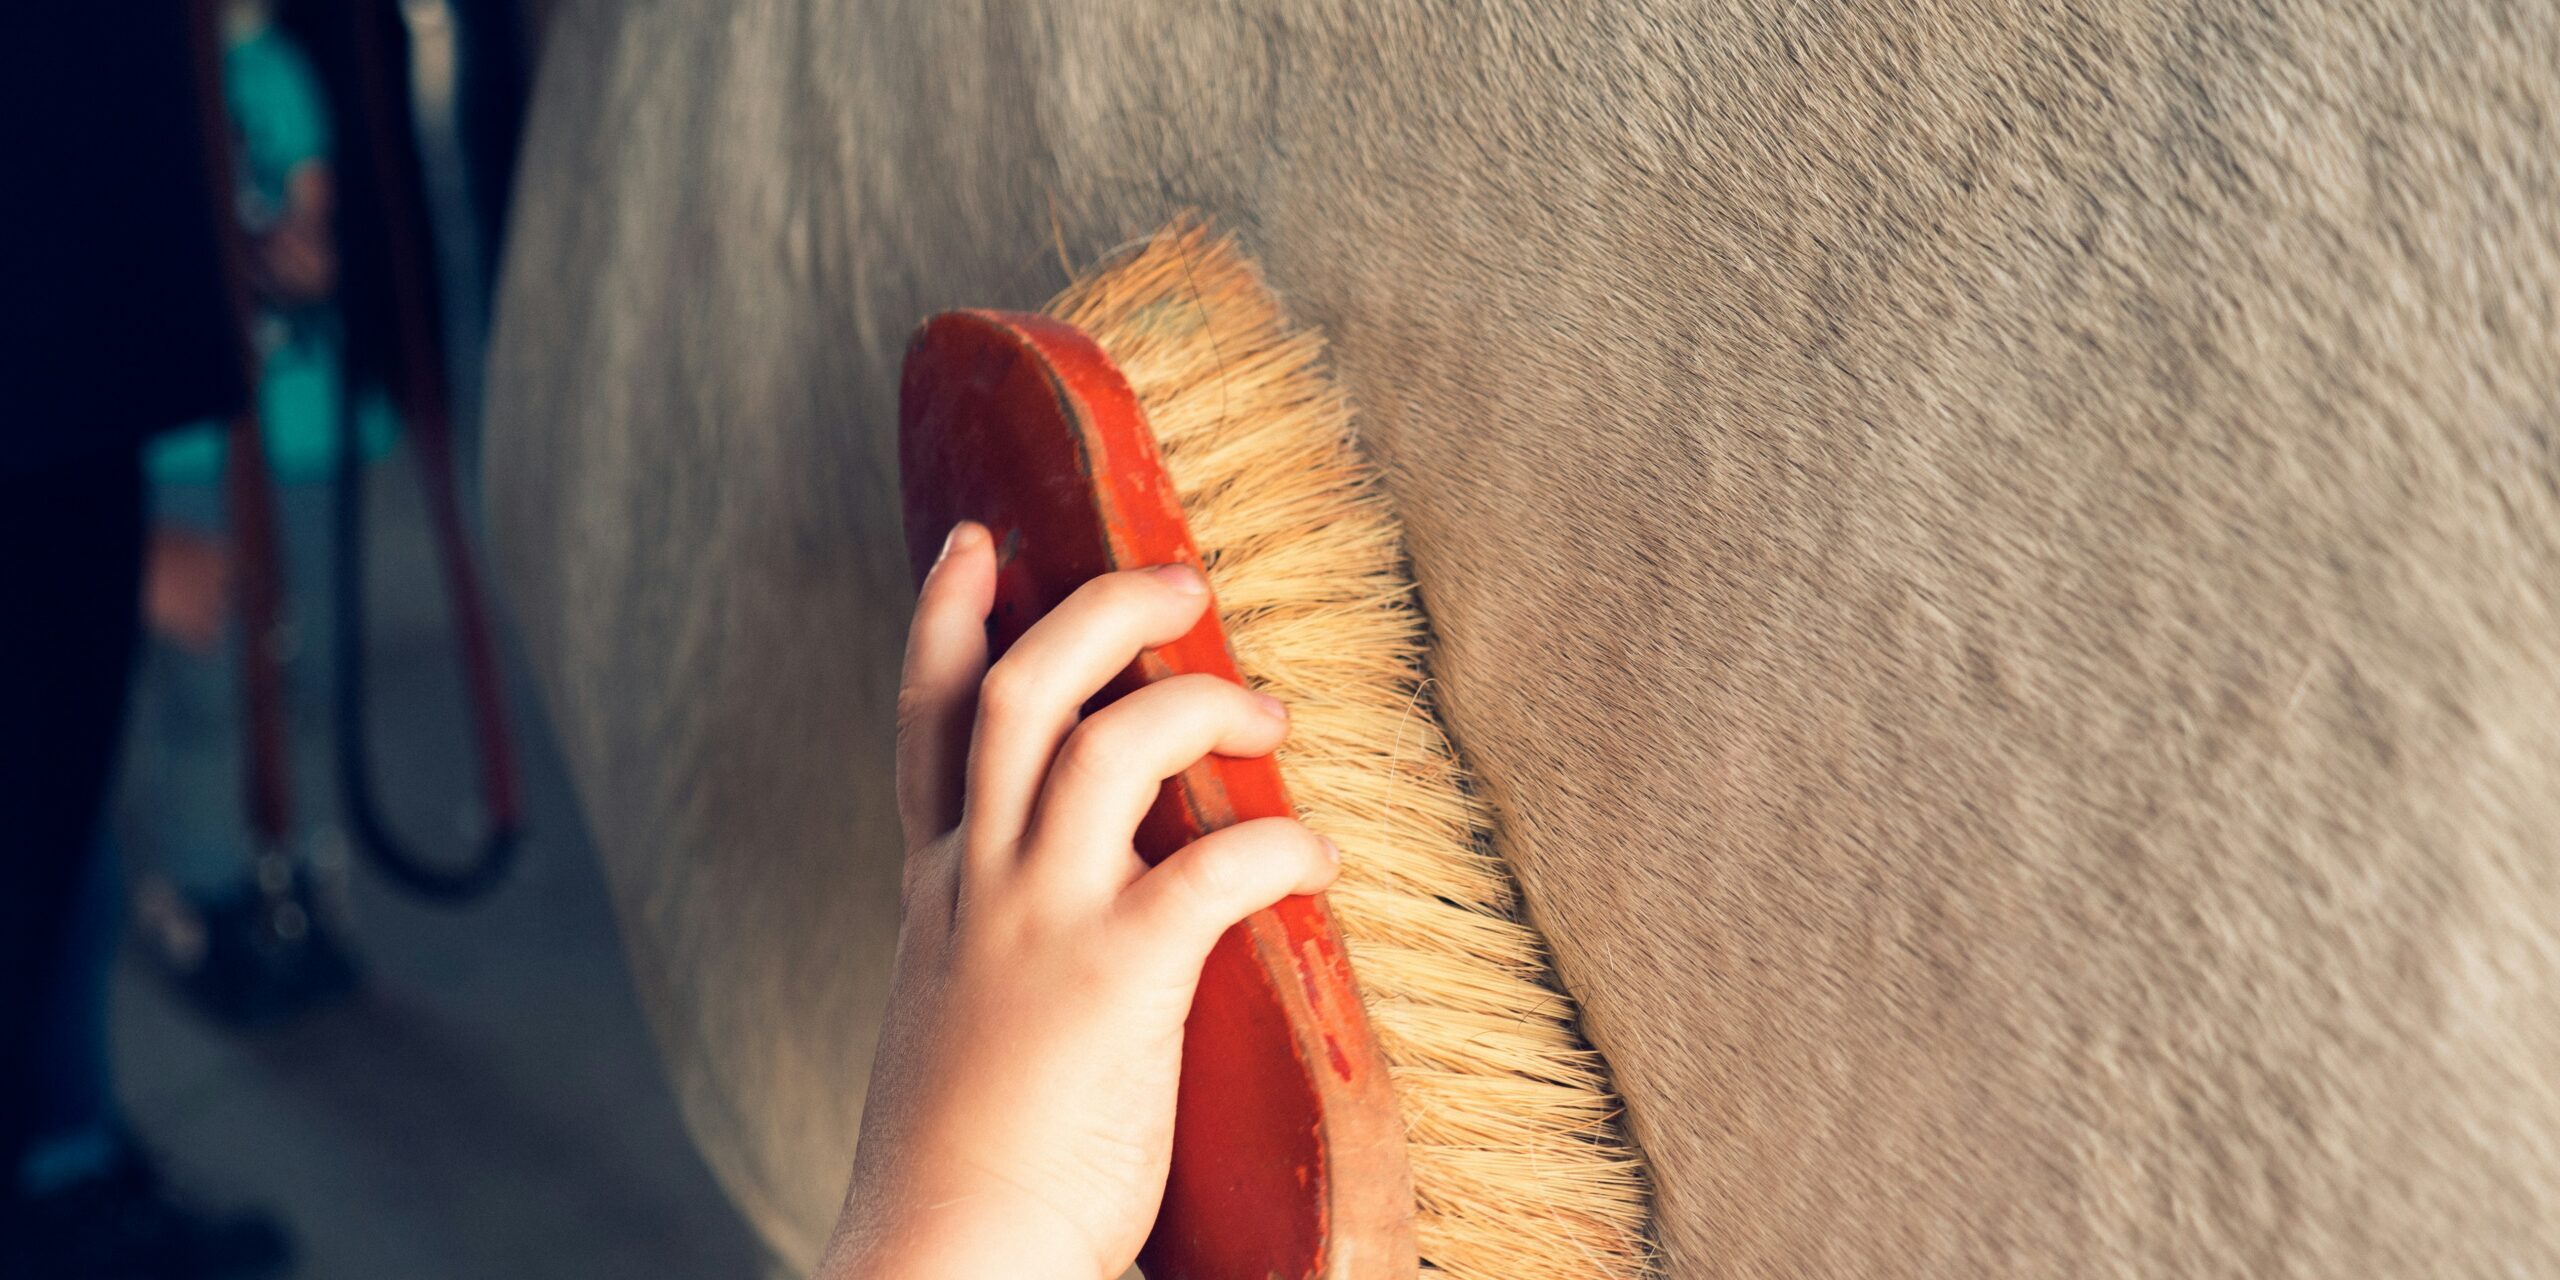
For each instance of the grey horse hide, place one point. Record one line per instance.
(2000, 564)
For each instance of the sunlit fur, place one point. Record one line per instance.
(1998, 562)
(1519, 1166)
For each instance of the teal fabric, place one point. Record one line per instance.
(277, 111)
(280, 122)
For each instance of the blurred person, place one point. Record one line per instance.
(183, 811)
(116, 322)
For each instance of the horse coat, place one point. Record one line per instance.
(2001, 566)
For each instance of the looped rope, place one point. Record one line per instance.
(426, 408)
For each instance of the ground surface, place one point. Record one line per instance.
(492, 1105)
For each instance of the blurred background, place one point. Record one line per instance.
(312, 971)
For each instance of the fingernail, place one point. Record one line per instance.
(1271, 706)
(951, 540)
(1183, 578)
(1332, 851)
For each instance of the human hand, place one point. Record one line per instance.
(186, 587)
(1020, 1119)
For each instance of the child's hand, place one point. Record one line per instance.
(1021, 1111)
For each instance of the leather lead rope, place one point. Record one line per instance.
(248, 490)
(425, 402)
(249, 495)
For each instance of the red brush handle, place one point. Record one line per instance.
(1288, 1158)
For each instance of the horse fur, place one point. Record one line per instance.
(2000, 566)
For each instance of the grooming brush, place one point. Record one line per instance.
(1288, 1159)
(1442, 1108)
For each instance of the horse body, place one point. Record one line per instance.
(2001, 569)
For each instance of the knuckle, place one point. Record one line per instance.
(1097, 747)
(979, 852)
(1139, 591)
(1126, 587)
(1007, 691)
(1106, 594)
(1289, 835)
(1196, 703)
(1212, 878)
(1201, 687)
(1279, 834)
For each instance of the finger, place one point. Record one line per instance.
(938, 693)
(1032, 693)
(929, 897)
(1178, 909)
(1111, 766)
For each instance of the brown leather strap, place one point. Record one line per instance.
(248, 489)
(423, 392)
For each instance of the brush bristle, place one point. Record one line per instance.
(1520, 1166)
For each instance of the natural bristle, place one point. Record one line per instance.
(1520, 1166)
